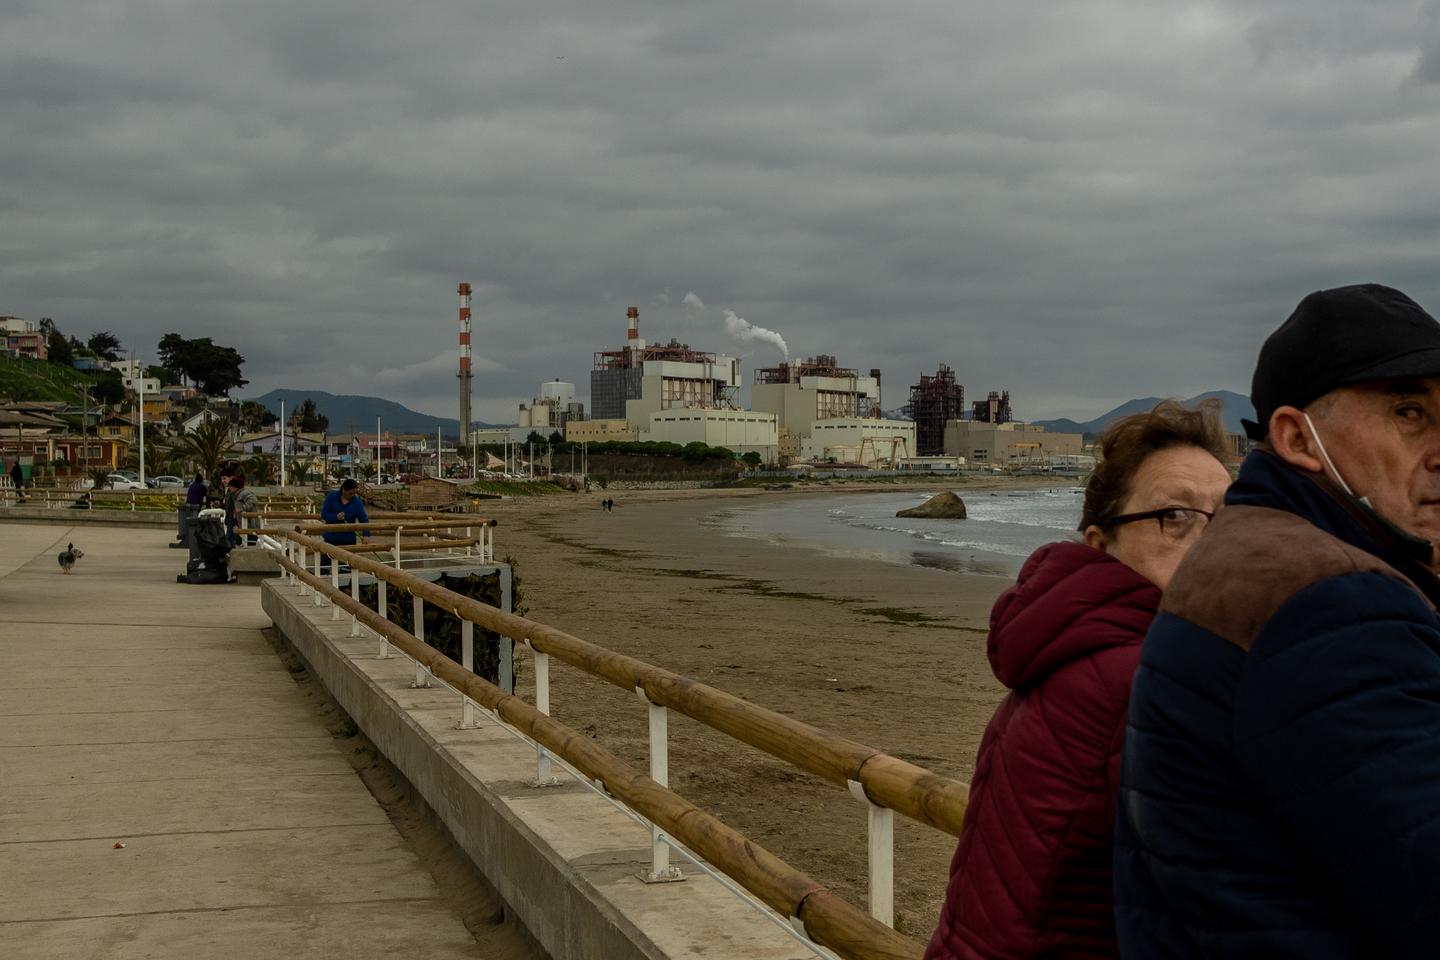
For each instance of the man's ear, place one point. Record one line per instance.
(1292, 440)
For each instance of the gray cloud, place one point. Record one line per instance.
(1101, 201)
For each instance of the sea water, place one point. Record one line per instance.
(1002, 529)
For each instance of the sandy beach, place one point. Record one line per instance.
(887, 654)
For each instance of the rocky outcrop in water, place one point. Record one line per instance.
(942, 506)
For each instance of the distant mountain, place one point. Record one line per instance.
(1234, 407)
(348, 413)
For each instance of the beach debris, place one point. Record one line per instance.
(119, 845)
(942, 506)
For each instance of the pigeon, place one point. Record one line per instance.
(68, 557)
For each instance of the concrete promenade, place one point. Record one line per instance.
(140, 711)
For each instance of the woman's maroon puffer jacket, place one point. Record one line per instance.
(1031, 876)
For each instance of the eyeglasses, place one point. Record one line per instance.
(1176, 523)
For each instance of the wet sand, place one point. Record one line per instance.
(890, 655)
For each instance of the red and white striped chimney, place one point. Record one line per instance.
(464, 373)
(632, 335)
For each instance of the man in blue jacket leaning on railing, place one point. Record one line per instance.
(342, 506)
(1280, 791)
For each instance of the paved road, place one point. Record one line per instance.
(134, 709)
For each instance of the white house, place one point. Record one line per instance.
(194, 420)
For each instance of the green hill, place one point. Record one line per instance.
(25, 379)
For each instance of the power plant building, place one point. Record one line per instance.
(600, 431)
(1009, 444)
(638, 380)
(553, 409)
(672, 393)
(743, 431)
(934, 401)
(828, 412)
(868, 441)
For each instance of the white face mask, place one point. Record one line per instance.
(1329, 465)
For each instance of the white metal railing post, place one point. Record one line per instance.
(382, 604)
(422, 675)
(354, 595)
(542, 704)
(397, 547)
(334, 585)
(467, 660)
(301, 563)
(319, 600)
(661, 870)
(881, 832)
(470, 546)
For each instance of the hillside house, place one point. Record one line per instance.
(117, 426)
(92, 452)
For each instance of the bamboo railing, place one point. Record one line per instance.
(827, 919)
(887, 781)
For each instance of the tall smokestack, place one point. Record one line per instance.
(464, 373)
(632, 335)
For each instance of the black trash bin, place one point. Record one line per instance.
(185, 525)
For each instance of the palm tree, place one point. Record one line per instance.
(207, 444)
(299, 471)
(259, 470)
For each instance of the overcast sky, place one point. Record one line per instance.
(1080, 202)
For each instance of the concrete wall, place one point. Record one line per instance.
(566, 862)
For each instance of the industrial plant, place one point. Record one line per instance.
(801, 411)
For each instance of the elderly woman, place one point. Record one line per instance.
(1031, 875)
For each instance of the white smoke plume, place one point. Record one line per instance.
(691, 300)
(742, 329)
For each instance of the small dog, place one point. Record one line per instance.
(68, 557)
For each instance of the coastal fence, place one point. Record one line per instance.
(885, 784)
(439, 535)
(159, 501)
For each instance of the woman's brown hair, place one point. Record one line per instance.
(1126, 443)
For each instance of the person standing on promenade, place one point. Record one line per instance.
(242, 502)
(1032, 873)
(195, 493)
(1280, 795)
(17, 477)
(227, 503)
(342, 506)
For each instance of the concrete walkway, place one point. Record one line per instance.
(140, 711)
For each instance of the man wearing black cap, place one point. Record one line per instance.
(1280, 795)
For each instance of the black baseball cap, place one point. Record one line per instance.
(1338, 337)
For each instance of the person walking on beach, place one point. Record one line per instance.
(342, 506)
(1031, 874)
(1281, 779)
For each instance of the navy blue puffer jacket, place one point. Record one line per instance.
(1280, 791)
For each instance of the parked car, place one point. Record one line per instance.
(118, 481)
(127, 474)
(164, 482)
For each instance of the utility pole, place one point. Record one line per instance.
(140, 393)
